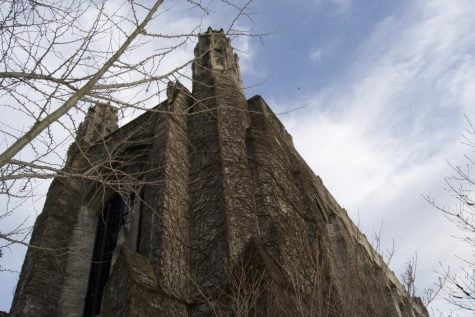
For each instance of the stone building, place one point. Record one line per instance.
(199, 207)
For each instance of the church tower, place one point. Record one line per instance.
(199, 207)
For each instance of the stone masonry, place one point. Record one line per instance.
(199, 207)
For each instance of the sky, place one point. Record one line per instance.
(375, 95)
(386, 87)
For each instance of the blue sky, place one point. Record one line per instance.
(313, 42)
(386, 86)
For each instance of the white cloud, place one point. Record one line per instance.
(173, 19)
(382, 133)
(317, 55)
(379, 137)
(242, 46)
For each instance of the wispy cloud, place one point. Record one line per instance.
(172, 20)
(407, 89)
(242, 46)
(381, 134)
(317, 55)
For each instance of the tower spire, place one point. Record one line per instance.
(214, 54)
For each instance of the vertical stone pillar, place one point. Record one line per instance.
(164, 225)
(43, 272)
(222, 209)
(174, 275)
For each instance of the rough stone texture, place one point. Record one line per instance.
(133, 290)
(225, 218)
(42, 274)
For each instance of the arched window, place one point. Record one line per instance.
(109, 223)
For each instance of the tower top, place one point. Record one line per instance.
(214, 53)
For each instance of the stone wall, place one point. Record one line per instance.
(43, 271)
(225, 216)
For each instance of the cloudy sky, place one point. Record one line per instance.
(379, 91)
(386, 86)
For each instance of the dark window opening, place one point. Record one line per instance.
(139, 230)
(207, 61)
(221, 57)
(110, 221)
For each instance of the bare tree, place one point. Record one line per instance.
(459, 288)
(59, 58)
(408, 277)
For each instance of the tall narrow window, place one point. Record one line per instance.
(110, 221)
(140, 220)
